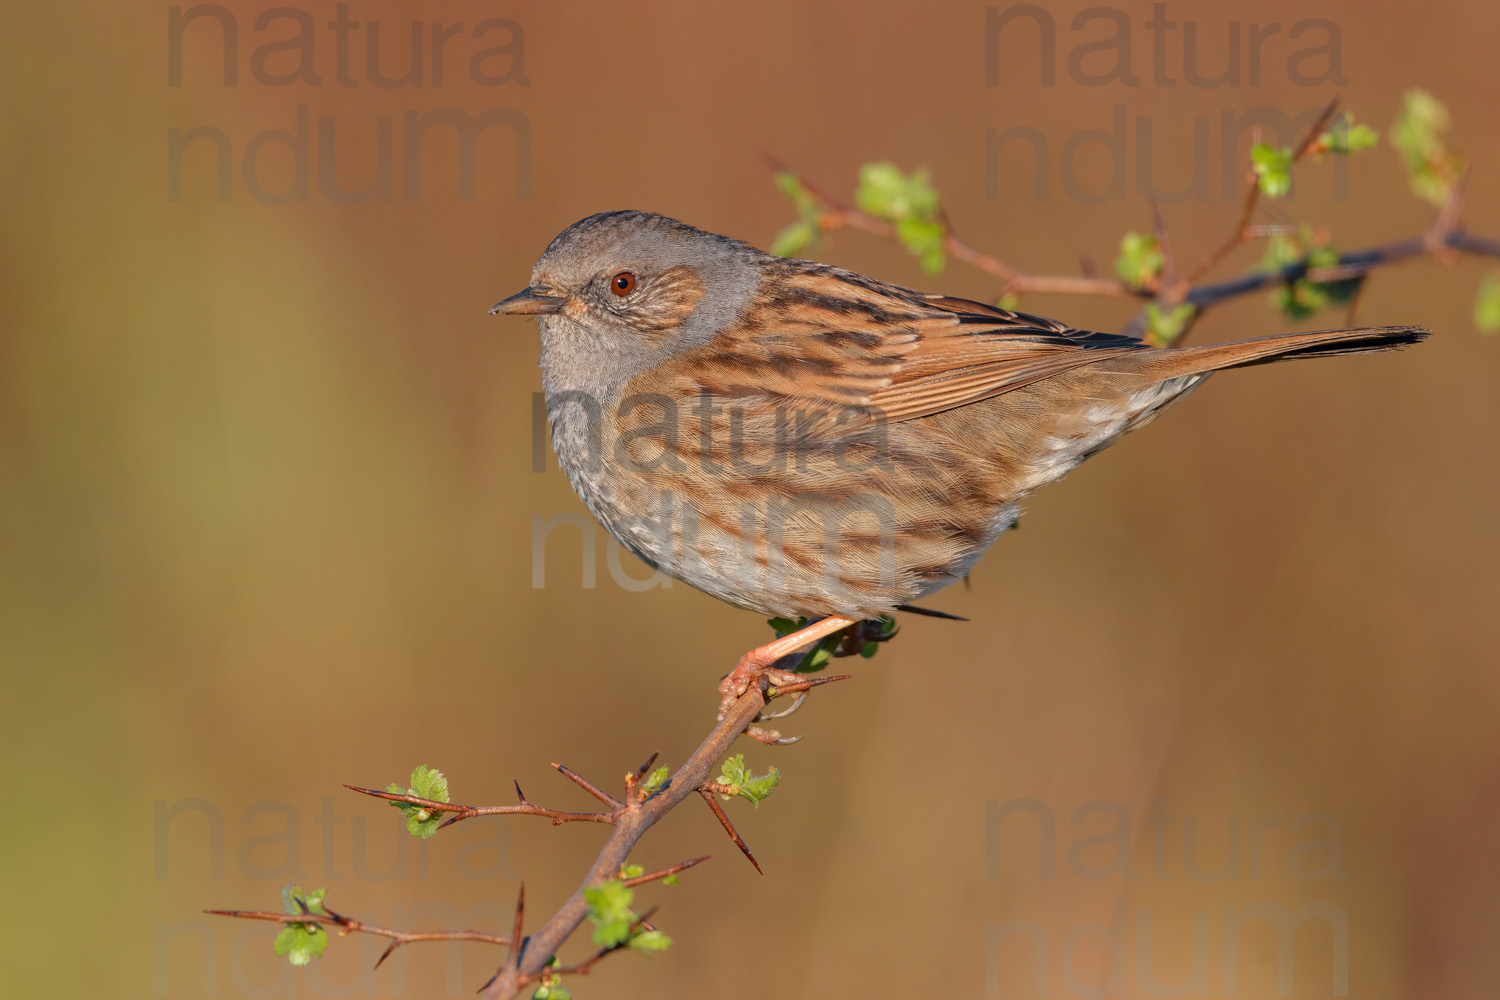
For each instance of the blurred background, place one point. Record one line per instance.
(267, 501)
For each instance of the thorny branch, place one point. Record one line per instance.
(532, 960)
(1444, 239)
(348, 925)
(631, 820)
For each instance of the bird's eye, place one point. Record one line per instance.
(622, 284)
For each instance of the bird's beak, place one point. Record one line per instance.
(529, 302)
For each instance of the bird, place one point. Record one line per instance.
(807, 442)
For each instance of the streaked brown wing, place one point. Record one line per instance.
(969, 352)
(825, 335)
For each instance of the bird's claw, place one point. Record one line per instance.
(749, 672)
(765, 716)
(771, 737)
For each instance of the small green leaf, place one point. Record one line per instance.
(1166, 327)
(1281, 250)
(426, 783)
(1360, 137)
(301, 943)
(609, 910)
(804, 232)
(429, 783)
(1273, 169)
(1303, 298)
(795, 238)
(740, 781)
(655, 779)
(923, 237)
(1417, 134)
(1009, 301)
(815, 660)
(1140, 260)
(785, 626)
(551, 991)
(293, 892)
(1487, 303)
(910, 202)
(886, 630)
(732, 770)
(670, 880)
(797, 193)
(885, 191)
(631, 871)
(650, 941)
(1345, 137)
(754, 789)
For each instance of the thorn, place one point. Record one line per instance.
(729, 828)
(588, 786)
(641, 921)
(653, 876)
(487, 983)
(395, 943)
(518, 943)
(337, 918)
(796, 704)
(453, 819)
(520, 795)
(645, 768)
(806, 685)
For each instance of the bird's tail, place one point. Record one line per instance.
(1279, 347)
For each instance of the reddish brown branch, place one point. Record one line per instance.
(1243, 230)
(1444, 239)
(614, 804)
(633, 791)
(584, 967)
(348, 925)
(707, 791)
(517, 942)
(681, 866)
(635, 818)
(460, 811)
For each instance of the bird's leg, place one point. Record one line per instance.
(759, 662)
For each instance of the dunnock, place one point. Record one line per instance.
(804, 441)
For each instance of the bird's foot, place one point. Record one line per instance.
(760, 664)
(746, 673)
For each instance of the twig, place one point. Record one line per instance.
(1444, 239)
(348, 925)
(681, 866)
(707, 791)
(1242, 231)
(588, 786)
(836, 215)
(633, 780)
(634, 819)
(522, 808)
(583, 968)
(517, 942)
